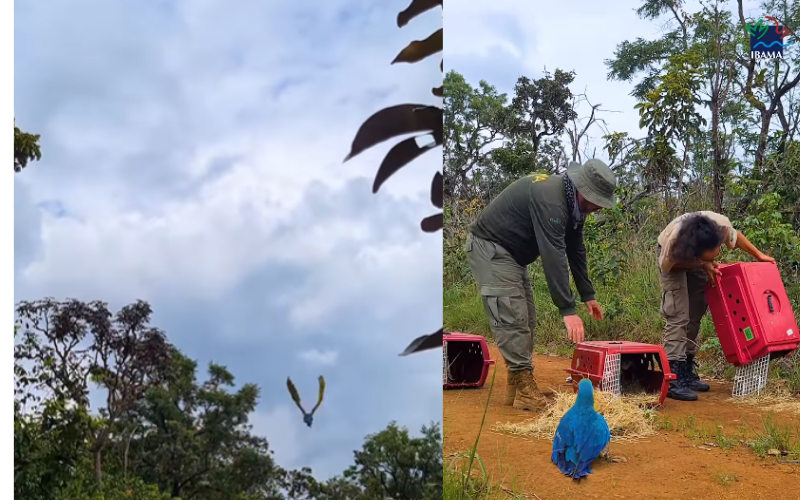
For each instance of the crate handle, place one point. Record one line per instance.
(769, 302)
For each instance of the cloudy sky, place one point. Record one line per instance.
(499, 41)
(193, 158)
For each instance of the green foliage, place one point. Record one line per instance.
(392, 464)
(543, 107)
(490, 142)
(26, 148)
(161, 432)
(767, 228)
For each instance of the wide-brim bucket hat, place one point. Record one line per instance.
(594, 181)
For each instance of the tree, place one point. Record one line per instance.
(193, 439)
(26, 148)
(73, 345)
(670, 116)
(774, 88)
(393, 465)
(543, 107)
(165, 433)
(475, 120)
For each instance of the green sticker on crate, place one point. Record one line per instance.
(748, 334)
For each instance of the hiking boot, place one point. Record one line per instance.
(528, 397)
(693, 381)
(678, 388)
(511, 387)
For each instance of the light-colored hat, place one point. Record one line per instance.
(594, 181)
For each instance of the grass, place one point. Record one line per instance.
(473, 482)
(767, 439)
(632, 308)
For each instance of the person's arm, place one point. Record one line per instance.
(688, 265)
(550, 236)
(742, 243)
(578, 265)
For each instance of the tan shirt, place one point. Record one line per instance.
(668, 235)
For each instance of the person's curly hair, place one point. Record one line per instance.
(697, 235)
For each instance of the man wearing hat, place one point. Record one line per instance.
(538, 215)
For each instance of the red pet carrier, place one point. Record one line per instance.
(621, 367)
(465, 360)
(752, 313)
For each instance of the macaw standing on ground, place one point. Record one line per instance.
(308, 418)
(581, 436)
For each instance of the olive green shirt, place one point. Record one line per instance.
(531, 218)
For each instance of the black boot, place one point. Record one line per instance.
(678, 388)
(693, 381)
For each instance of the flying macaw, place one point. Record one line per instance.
(308, 418)
(581, 436)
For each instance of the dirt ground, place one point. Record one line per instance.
(666, 466)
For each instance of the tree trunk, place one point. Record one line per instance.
(758, 163)
(98, 467)
(717, 164)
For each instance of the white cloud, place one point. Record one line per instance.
(283, 425)
(317, 357)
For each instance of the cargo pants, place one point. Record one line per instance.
(683, 305)
(507, 296)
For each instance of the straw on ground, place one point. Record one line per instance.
(627, 416)
(777, 398)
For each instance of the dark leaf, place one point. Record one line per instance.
(437, 190)
(394, 121)
(433, 223)
(438, 91)
(438, 128)
(397, 157)
(420, 49)
(424, 343)
(416, 8)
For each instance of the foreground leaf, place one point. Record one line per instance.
(424, 343)
(433, 223)
(398, 157)
(437, 190)
(394, 121)
(420, 49)
(416, 8)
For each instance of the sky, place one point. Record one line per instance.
(192, 157)
(499, 41)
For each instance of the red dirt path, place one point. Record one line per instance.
(666, 466)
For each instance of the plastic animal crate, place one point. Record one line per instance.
(621, 367)
(752, 313)
(465, 360)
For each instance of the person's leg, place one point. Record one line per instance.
(527, 285)
(675, 311)
(696, 287)
(500, 281)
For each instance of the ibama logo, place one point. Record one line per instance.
(767, 41)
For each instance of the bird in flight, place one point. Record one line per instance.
(308, 417)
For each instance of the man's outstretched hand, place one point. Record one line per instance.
(574, 325)
(595, 310)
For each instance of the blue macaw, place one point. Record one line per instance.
(308, 417)
(581, 436)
